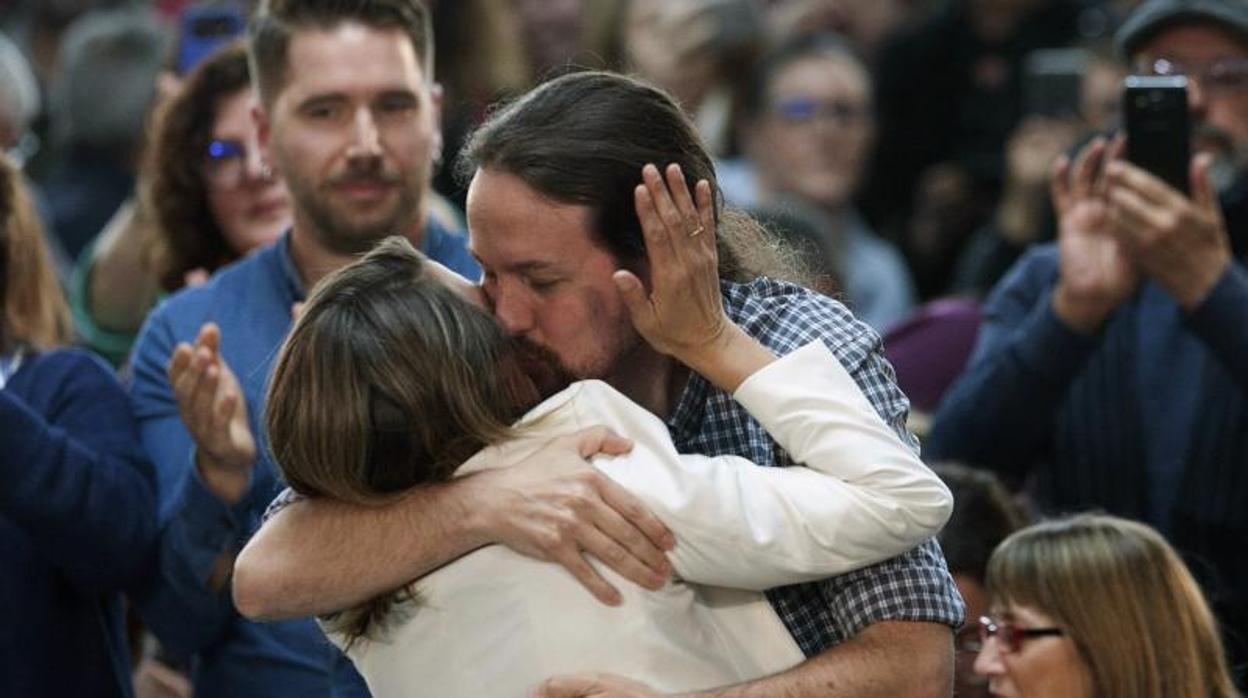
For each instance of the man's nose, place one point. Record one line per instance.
(254, 167)
(365, 138)
(512, 311)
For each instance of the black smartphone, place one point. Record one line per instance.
(1158, 133)
(1053, 82)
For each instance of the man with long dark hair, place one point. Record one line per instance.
(553, 210)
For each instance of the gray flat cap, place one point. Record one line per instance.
(1153, 16)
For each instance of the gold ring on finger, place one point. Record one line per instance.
(697, 231)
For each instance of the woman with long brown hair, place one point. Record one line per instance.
(392, 377)
(77, 497)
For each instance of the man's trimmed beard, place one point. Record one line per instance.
(542, 366)
(335, 229)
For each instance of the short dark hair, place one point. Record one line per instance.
(582, 139)
(983, 516)
(277, 20)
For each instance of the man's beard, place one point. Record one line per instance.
(543, 367)
(336, 229)
(1230, 160)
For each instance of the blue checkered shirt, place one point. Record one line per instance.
(915, 586)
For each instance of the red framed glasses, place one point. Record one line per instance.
(1010, 635)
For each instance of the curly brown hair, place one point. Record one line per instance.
(186, 234)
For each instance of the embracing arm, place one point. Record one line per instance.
(887, 660)
(360, 552)
(551, 506)
(863, 496)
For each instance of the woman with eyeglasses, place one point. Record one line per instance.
(1097, 606)
(206, 199)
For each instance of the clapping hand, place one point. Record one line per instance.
(214, 410)
(1178, 242)
(1096, 274)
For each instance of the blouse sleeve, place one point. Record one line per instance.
(859, 496)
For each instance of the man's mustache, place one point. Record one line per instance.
(374, 178)
(542, 366)
(1203, 131)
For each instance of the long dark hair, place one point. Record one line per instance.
(583, 138)
(389, 379)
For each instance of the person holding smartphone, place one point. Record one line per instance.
(1113, 365)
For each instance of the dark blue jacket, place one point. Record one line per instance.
(1146, 419)
(77, 522)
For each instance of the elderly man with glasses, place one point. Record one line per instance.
(1112, 369)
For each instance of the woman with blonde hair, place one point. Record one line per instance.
(77, 497)
(391, 379)
(1095, 605)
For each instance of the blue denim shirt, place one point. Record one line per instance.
(251, 301)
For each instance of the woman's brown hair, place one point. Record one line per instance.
(35, 312)
(187, 236)
(1126, 600)
(389, 379)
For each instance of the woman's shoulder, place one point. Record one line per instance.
(67, 364)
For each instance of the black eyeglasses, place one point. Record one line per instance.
(1010, 635)
(806, 110)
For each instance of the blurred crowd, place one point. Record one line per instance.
(1071, 333)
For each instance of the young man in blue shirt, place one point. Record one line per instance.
(348, 115)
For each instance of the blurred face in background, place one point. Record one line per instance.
(816, 131)
(671, 43)
(1048, 666)
(249, 204)
(1101, 94)
(552, 30)
(866, 24)
(1216, 65)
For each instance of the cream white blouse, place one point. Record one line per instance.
(496, 623)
